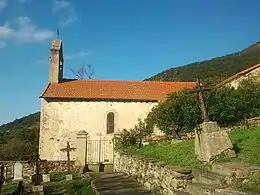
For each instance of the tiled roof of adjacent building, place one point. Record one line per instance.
(238, 75)
(114, 90)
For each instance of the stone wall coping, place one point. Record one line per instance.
(158, 163)
(29, 161)
(178, 169)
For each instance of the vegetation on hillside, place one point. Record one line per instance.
(215, 70)
(19, 139)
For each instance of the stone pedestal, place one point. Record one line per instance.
(81, 148)
(38, 190)
(210, 142)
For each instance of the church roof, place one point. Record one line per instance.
(114, 90)
(238, 75)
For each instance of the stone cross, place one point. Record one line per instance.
(199, 90)
(18, 171)
(68, 149)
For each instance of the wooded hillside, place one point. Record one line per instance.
(215, 70)
(19, 139)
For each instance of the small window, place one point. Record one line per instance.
(110, 122)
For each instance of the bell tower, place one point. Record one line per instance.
(56, 61)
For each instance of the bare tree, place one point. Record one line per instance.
(84, 72)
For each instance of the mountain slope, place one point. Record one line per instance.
(215, 70)
(19, 139)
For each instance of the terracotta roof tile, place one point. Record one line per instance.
(108, 89)
(238, 75)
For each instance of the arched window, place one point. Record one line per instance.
(110, 122)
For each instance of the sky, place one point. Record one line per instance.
(121, 40)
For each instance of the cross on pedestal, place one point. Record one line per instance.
(68, 149)
(199, 90)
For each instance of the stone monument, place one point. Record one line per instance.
(210, 140)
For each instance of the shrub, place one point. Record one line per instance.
(225, 105)
(134, 135)
(180, 109)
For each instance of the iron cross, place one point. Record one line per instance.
(68, 149)
(199, 90)
(37, 161)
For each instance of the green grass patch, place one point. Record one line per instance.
(174, 154)
(74, 187)
(57, 186)
(246, 143)
(9, 188)
(59, 176)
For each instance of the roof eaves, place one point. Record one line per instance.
(237, 75)
(44, 91)
(103, 99)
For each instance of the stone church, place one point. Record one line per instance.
(87, 113)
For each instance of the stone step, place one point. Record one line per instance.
(241, 170)
(229, 192)
(116, 183)
(211, 189)
(202, 189)
(208, 178)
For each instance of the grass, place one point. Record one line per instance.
(57, 186)
(9, 188)
(76, 187)
(181, 154)
(246, 142)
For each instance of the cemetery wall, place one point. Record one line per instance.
(154, 175)
(29, 168)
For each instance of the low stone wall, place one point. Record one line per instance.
(253, 121)
(154, 175)
(29, 168)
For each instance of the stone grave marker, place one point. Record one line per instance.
(18, 171)
(69, 177)
(46, 178)
(210, 141)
